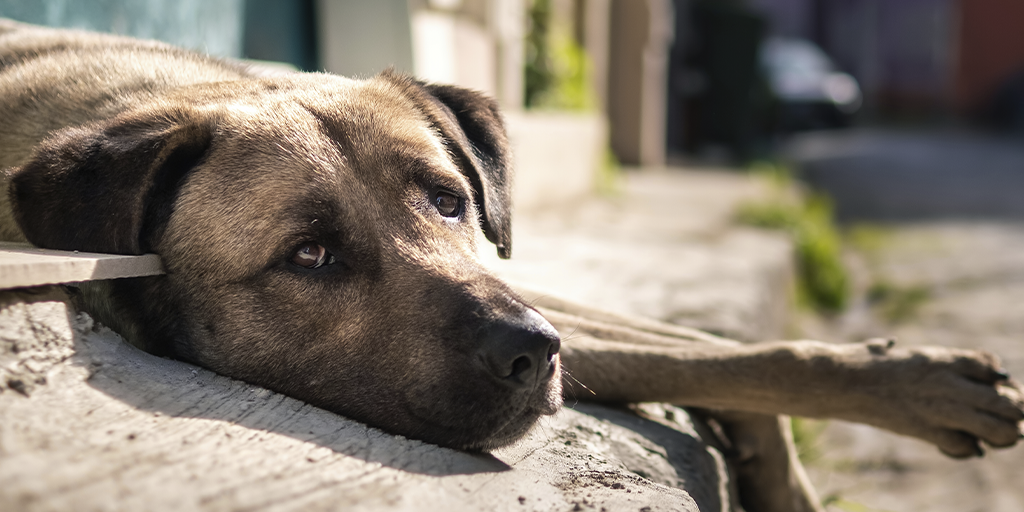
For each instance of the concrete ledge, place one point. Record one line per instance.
(22, 265)
(557, 156)
(109, 427)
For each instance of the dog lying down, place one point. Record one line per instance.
(319, 237)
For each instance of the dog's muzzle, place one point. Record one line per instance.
(520, 351)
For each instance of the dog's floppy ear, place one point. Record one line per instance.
(484, 146)
(106, 187)
(472, 123)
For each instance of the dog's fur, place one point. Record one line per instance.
(115, 145)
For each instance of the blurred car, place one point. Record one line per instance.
(1004, 110)
(810, 92)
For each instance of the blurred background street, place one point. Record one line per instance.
(831, 169)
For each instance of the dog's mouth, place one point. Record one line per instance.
(548, 402)
(493, 427)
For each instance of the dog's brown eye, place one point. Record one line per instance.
(312, 255)
(447, 204)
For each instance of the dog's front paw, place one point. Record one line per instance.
(953, 398)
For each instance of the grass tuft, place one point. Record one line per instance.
(557, 66)
(822, 282)
(897, 304)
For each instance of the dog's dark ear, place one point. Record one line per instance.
(472, 122)
(484, 146)
(106, 187)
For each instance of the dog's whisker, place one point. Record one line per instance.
(580, 337)
(569, 385)
(571, 335)
(565, 373)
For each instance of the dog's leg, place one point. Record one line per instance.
(949, 397)
(767, 472)
(764, 462)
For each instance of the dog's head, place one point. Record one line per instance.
(319, 238)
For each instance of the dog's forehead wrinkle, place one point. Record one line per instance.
(290, 137)
(444, 263)
(379, 133)
(373, 110)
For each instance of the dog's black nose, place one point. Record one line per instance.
(520, 351)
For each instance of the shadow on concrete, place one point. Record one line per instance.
(892, 175)
(179, 390)
(695, 468)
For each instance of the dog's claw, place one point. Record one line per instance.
(880, 346)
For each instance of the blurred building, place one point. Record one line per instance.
(911, 62)
(666, 75)
(480, 44)
(473, 43)
(716, 99)
(913, 57)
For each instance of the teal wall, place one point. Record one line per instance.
(210, 26)
(282, 31)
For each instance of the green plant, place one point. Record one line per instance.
(822, 279)
(538, 75)
(897, 303)
(557, 66)
(868, 239)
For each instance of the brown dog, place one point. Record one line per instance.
(318, 233)
(319, 239)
